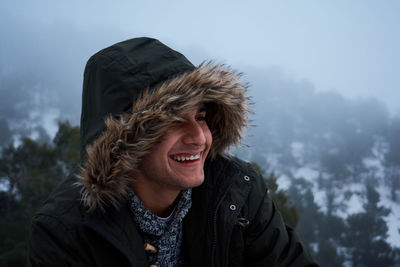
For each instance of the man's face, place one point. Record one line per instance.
(177, 161)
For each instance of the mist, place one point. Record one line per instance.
(323, 79)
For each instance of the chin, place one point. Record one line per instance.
(192, 183)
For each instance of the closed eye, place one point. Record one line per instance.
(201, 116)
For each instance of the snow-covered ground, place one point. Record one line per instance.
(350, 197)
(352, 204)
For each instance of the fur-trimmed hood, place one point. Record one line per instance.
(132, 91)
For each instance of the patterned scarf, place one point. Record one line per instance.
(166, 236)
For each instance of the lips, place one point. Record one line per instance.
(186, 157)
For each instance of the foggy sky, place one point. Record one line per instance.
(346, 47)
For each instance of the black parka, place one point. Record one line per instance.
(132, 91)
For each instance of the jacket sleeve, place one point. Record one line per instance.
(269, 242)
(51, 244)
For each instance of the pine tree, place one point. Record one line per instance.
(281, 198)
(301, 194)
(366, 234)
(28, 174)
(392, 158)
(318, 231)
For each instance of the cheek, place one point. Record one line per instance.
(154, 158)
(208, 135)
(162, 147)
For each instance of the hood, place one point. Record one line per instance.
(132, 92)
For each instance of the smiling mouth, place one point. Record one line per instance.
(185, 157)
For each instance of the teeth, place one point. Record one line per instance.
(183, 158)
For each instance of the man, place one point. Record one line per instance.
(156, 186)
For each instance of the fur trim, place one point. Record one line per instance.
(111, 158)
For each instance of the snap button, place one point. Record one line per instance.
(150, 248)
(243, 222)
(246, 178)
(232, 207)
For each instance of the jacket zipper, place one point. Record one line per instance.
(214, 237)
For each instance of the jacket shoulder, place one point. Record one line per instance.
(244, 174)
(64, 203)
(55, 229)
(243, 184)
(232, 165)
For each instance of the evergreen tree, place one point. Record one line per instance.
(281, 199)
(300, 192)
(327, 254)
(66, 145)
(5, 133)
(28, 174)
(318, 231)
(392, 158)
(366, 234)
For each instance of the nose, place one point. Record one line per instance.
(194, 134)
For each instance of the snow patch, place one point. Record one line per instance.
(283, 182)
(308, 173)
(352, 203)
(393, 219)
(4, 185)
(320, 199)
